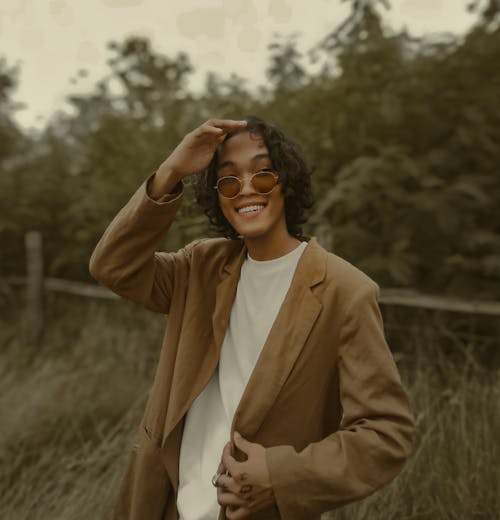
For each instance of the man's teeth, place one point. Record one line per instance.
(250, 209)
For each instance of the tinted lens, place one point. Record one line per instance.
(228, 186)
(264, 182)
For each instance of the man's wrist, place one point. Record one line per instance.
(164, 182)
(159, 194)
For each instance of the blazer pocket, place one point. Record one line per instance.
(145, 487)
(150, 436)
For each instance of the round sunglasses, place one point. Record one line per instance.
(263, 182)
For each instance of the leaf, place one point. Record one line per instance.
(471, 190)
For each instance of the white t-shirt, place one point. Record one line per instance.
(262, 287)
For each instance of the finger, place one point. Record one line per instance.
(226, 454)
(215, 479)
(221, 471)
(245, 489)
(225, 498)
(236, 469)
(208, 131)
(242, 444)
(228, 483)
(227, 124)
(238, 514)
(229, 461)
(221, 468)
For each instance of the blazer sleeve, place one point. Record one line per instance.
(376, 433)
(125, 259)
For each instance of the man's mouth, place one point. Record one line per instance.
(254, 208)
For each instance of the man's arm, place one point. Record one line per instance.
(124, 259)
(376, 434)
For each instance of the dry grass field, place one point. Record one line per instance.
(69, 410)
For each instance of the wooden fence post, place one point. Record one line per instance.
(34, 287)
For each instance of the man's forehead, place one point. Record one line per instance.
(242, 144)
(244, 136)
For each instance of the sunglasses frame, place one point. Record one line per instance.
(274, 174)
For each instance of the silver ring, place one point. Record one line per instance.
(215, 478)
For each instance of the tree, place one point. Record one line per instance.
(285, 71)
(13, 146)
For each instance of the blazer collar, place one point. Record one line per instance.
(311, 268)
(310, 271)
(313, 256)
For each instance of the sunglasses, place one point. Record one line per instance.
(262, 182)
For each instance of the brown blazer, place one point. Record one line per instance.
(325, 397)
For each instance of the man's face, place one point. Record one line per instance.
(251, 214)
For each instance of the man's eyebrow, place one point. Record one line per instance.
(224, 164)
(254, 159)
(259, 156)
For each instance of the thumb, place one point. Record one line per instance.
(241, 443)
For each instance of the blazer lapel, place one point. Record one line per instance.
(188, 386)
(224, 298)
(191, 377)
(286, 339)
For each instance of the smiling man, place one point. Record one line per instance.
(246, 183)
(276, 395)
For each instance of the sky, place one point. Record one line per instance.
(51, 40)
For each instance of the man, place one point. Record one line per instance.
(274, 384)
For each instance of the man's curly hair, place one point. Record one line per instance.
(287, 161)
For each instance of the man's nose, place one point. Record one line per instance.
(246, 185)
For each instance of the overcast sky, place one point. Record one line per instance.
(52, 39)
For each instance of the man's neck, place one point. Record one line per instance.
(265, 250)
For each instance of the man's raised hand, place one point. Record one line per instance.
(192, 154)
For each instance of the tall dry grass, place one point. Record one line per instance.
(454, 389)
(68, 413)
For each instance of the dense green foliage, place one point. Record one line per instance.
(404, 135)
